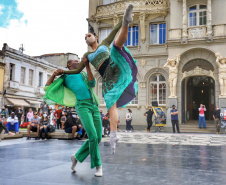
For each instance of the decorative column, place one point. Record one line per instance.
(209, 19)
(142, 26)
(115, 20)
(185, 21)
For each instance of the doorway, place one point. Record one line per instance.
(200, 90)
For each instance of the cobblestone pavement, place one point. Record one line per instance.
(170, 138)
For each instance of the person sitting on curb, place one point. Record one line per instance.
(2, 127)
(12, 121)
(34, 126)
(44, 125)
(70, 125)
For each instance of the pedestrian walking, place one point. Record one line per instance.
(217, 119)
(149, 115)
(202, 110)
(174, 119)
(129, 116)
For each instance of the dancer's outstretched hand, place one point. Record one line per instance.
(85, 61)
(58, 72)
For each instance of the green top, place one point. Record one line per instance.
(57, 92)
(101, 54)
(77, 85)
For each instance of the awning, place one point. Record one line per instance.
(18, 102)
(33, 102)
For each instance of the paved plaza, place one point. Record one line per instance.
(141, 158)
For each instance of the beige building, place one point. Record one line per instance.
(180, 47)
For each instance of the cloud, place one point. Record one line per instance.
(48, 26)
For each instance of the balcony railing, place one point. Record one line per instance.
(198, 32)
(139, 5)
(13, 85)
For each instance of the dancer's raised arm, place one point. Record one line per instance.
(111, 36)
(80, 67)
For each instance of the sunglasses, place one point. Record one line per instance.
(35, 114)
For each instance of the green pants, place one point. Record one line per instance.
(91, 121)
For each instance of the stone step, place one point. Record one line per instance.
(53, 135)
(6, 136)
(196, 126)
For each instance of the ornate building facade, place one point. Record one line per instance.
(180, 47)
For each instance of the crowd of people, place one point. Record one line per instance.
(47, 120)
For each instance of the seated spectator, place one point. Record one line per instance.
(81, 130)
(13, 123)
(34, 126)
(70, 125)
(44, 123)
(63, 119)
(2, 127)
(106, 125)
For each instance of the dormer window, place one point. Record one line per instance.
(197, 15)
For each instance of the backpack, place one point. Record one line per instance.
(51, 128)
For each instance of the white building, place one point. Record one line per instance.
(24, 78)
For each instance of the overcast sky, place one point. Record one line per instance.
(44, 26)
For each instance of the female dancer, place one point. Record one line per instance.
(118, 70)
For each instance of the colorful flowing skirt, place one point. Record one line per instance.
(119, 83)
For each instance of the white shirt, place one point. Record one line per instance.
(129, 116)
(12, 120)
(51, 118)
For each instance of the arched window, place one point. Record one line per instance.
(100, 92)
(197, 15)
(158, 89)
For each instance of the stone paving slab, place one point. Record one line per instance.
(169, 138)
(48, 163)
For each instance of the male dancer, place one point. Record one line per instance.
(77, 88)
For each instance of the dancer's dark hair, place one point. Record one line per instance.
(91, 30)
